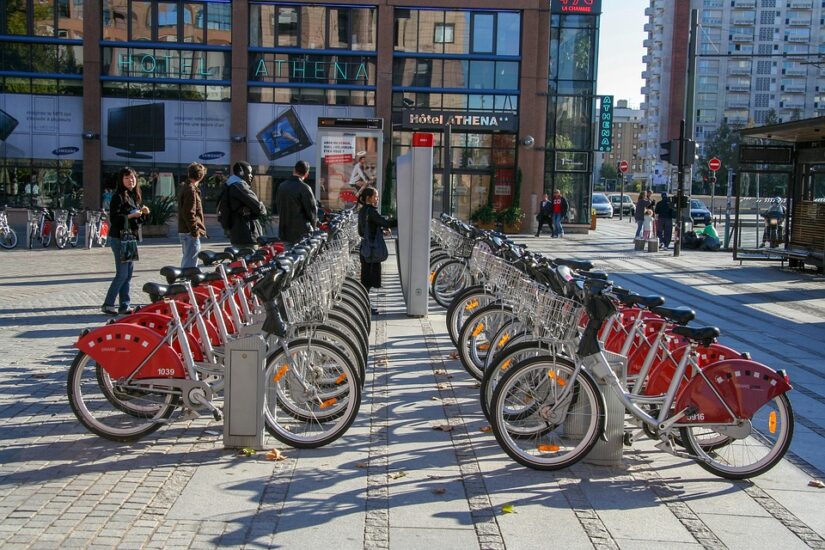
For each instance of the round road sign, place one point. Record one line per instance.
(623, 166)
(715, 164)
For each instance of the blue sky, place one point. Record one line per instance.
(620, 49)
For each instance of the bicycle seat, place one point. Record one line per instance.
(703, 335)
(175, 289)
(190, 272)
(578, 265)
(196, 278)
(243, 252)
(680, 315)
(212, 277)
(593, 275)
(650, 301)
(155, 291)
(620, 291)
(233, 251)
(267, 240)
(171, 273)
(224, 256)
(596, 286)
(207, 257)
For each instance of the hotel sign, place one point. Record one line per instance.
(503, 122)
(605, 132)
(576, 7)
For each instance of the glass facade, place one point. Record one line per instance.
(41, 68)
(460, 61)
(570, 104)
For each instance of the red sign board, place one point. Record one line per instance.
(623, 166)
(576, 7)
(420, 139)
(715, 164)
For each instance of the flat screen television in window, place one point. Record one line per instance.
(137, 128)
(283, 136)
(7, 124)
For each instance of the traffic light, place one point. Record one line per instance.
(667, 146)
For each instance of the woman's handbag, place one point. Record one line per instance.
(374, 251)
(128, 244)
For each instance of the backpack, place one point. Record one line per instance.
(223, 209)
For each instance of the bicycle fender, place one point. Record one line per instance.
(120, 347)
(745, 386)
(658, 379)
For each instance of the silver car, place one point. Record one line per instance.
(602, 205)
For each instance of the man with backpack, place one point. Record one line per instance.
(239, 207)
(297, 210)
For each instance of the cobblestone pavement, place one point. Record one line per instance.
(393, 481)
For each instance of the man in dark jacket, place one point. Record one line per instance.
(664, 220)
(545, 213)
(244, 206)
(297, 211)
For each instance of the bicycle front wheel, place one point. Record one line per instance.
(8, 239)
(312, 396)
(111, 411)
(545, 414)
(61, 237)
(754, 445)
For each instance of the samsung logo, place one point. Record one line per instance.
(60, 151)
(212, 155)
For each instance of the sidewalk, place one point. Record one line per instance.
(393, 481)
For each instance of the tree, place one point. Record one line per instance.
(724, 145)
(608, 171)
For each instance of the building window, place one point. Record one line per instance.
(444, 33)
(180, 21)
(312, 27)
(46, 18)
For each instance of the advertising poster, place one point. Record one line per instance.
(348, 162)
(41, 127)
(281, 135)
(169, 132)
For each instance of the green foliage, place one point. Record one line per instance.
(161, 210)
(510, 216)
(608, 171)
(484, 215)
(724, 145)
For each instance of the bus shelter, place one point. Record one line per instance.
(786, 162)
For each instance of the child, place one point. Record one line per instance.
(647, 224)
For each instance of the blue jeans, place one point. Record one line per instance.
(639, 227)
(558, 230)
(119, 289)
(191, 246)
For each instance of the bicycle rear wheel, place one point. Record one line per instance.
(755, 445)
(61, 237)
(312, 396)
(8, 239)
(111, 411)
(462, 306)
(543, 416)
(475, 340)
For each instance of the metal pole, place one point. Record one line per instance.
(447, 201)
(621, 196)
(712, 193)
(677, 243)
(727, 208)
(691, 75)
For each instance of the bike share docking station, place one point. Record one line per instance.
(243, 421)
(608, 449)
(415, 193)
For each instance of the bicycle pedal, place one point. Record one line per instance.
(217, 414)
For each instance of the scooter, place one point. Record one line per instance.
(773, 229)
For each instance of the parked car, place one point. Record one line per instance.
(602, 206)
(628, 206)
(699, 213)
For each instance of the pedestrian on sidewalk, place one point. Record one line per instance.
(545, 212)
(126, 212)
(664, 220)
(559, 211)
(244, 205)
(369, 223)
(647, 225)
(297, 210)
(642, 206)
(191, 225)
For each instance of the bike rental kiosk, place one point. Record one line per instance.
(415, 198)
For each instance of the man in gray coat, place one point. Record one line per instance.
(244, 206)
(297, 211)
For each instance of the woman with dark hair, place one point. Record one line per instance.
(369, 223)
(124, 208)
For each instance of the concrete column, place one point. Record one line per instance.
(240, 75)
(92, 169)
(535, 57)
(383, 79)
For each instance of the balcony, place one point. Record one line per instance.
(739, 87)
(737, 120)
(792, 105)
(798, 38)
(648, 11)
(795, 71)
(799, 21)
(735, 69)
(794, 88)
(648, 27)
(745, 21)
(744, 4)
(802, 4)
(739, 38)
(737, 104)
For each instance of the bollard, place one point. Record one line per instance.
(87, 240)
(638, 244)
(609, 453)
(653, 245)
(243, 422)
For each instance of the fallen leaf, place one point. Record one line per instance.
(816, 483)
(362, 465)
(453, 355)
(275, 454)
(508, 509)
(247, 451)
(443, 386)
(486, 429)
(434, 476)
(443, 427)
(381, 362)
(439, 491)
(398, 475)
(434, 398)
(442, 372)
